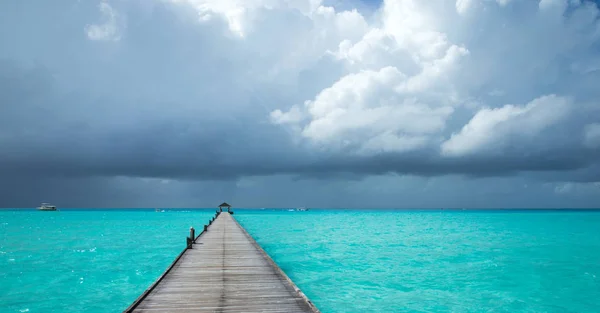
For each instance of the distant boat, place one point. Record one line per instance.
(301, 209)
(46, 207)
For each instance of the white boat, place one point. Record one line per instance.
(47, 207)
(298, 209)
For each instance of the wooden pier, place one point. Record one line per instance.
(223, 270)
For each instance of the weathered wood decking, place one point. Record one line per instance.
(225, 271)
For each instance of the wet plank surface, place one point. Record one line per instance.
(225, 271)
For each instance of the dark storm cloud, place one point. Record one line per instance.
(165, 96)
(48, 133)
(142, 109)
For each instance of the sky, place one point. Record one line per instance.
(288, 103)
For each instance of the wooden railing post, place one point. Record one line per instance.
(190, 239)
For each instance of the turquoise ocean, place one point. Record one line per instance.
(344, 260)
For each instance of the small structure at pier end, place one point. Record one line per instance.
(225, 205)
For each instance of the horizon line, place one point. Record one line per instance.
(317, 208)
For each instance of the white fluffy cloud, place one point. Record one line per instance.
(493, 130)
(109, 27)
(364, 111)
(397, 91)
(422, 66)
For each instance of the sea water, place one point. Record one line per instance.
(86, 261)
(345, 261)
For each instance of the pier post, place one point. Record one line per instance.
(205, 228)
(190, 239)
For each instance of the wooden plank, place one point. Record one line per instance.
(225, 271)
